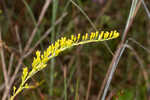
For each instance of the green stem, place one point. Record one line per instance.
(54, 12)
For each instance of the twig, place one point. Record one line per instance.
(3, 61)
(141, 63)
(71, 73)
(23, 57)
(114, 66)
(10, 64)
(146, 9)
(44, 9)
(45, 35)
(65, 82)
(29, 42)
(6, 78)
(132, 14)
(90, 79)
(12, 79)
(140, 45)
(16, 71)
(2, 87)
(144, 72)
(115, 59)
(18, 39)
(111, 95)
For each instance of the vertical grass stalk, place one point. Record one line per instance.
(54, 13)
(146, 9)
(114, 66)
(30, 12)
(65, 83)
(131, 14)
(77, 89)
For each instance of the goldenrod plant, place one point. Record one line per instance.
(40, 61)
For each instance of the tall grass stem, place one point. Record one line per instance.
(54, 14)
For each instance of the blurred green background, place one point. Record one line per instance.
(86, 65)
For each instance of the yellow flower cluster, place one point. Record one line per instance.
(60, 45)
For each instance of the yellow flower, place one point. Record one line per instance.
(40, 61)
